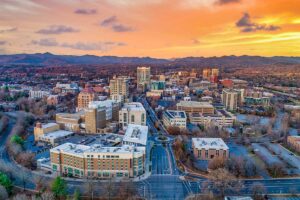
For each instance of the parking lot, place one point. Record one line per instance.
(41, 150)
(272, 154)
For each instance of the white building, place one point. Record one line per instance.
(119, 88)
(38, 94)
(220, 118)
(174, 118)
(54, 137)
(108, 105)
(136, 135)
(232, 98)
(132, 113)
(67, 87)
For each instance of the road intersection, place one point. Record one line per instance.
(166, 180)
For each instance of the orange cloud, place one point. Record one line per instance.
(158, 28)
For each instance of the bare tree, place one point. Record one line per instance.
(109, 189)
(47, 196)
(222, 182)
(41, 184)
(90, 188)
(258, 190)
(173, 130)
(216, 163)
(276, 170)
(21, 197)
(27, 160)
(127, 190)
(208, 196)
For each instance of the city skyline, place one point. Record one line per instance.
(158, 28)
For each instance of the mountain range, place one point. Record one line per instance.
(46, 59)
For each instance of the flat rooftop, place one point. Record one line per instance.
(57, 134)
(175, 114)
(76, 115)
(134, 106)
(81, 150)
(136, 134)
(48, 125)
(105, 103)
(217, 113)
(195, 104)
(209, 143)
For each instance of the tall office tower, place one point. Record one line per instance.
(143, 78)
(119, 88)
(95, 118)
(206, 74)
(211, 74)
(85, 97)
(215, 72)
(214, 75)
(232, 98)
(229, 99)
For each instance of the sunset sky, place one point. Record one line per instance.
(156, 28)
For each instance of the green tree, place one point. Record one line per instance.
(17, 139)
(6, 182)
(59, 187)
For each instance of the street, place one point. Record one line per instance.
(165, 182)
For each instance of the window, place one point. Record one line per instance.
(105, 174)
(206, 153)
(132, 118)
(124, 117)
(143, 117)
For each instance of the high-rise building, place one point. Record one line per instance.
(111, 108)
(215, 72)
(95, 119)
(132, 113)
(211, 74)
(206, 74)
(119, 88)
(143, 78)
(232, 98)
(85, 97)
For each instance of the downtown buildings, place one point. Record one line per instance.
(119, 89)
(143, 78)
(211, 74)
(232, 98)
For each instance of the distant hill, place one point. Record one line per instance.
(46, 59)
